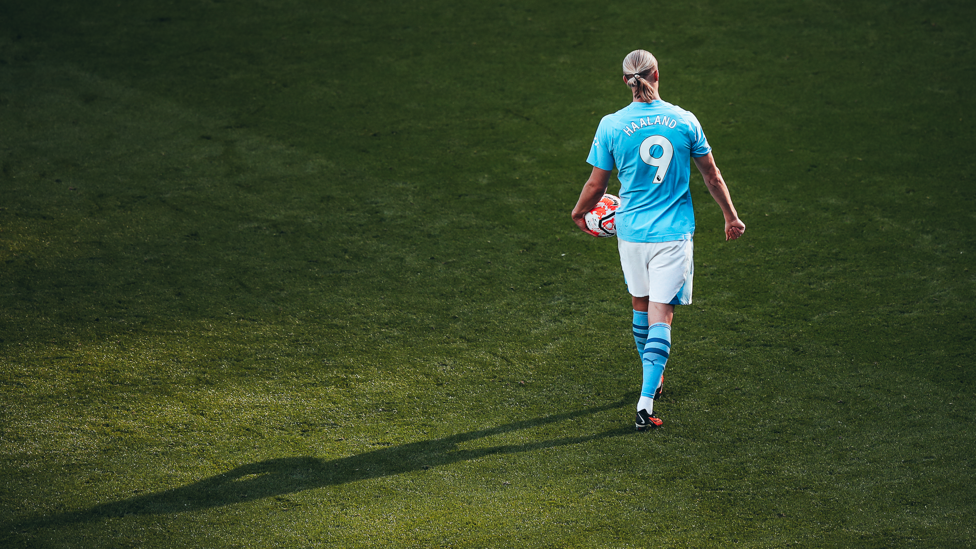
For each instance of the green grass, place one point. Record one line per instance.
(290, 274)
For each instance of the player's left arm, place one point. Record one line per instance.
(593, 191)
(734, 227)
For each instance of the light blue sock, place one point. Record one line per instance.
(657, 347)
(640, 332)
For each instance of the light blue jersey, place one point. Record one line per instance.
(651, 145)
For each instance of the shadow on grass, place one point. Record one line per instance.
(282, 476)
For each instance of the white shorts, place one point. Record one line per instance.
(661, 271)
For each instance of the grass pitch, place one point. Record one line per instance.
(289, 274)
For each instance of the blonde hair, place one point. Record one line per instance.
(638, 66)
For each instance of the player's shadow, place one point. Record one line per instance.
(282, 476)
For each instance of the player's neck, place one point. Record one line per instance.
(657, 97)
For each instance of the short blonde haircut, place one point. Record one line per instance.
(638, 66)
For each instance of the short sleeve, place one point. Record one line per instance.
(600, 156)
(699, 145)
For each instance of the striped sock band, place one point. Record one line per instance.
(657, 348)
(640, 331)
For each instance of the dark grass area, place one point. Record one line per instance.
(302, 274)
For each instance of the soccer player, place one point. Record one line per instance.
(652, 143)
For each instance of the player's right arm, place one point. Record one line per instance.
(593, 191)
(734, 227)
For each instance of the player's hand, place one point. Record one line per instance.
(734, 229)
(581, 223)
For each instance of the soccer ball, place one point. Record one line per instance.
(601, 218)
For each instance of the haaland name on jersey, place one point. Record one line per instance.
(645, 122)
